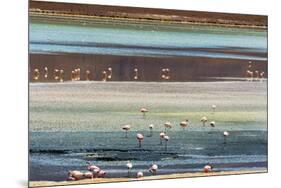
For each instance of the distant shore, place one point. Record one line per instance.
(76, 19)
(140, 15)
(170, 176)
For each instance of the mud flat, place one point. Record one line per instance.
(111, 180)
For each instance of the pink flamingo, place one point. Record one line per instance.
(257, 74)
(139, 175)
(208, 168)
(262, 75)
(56, 76)
(250, 75)
(101, 174)
(75, 175)
(136, 76)
(143, 111)
(204, 120)
(46, 72)
(110, 73)
(126, 128)
(153, 169)
(214, 108)
(87, 75)
(166, 138)
(104, 76)
(184, 124)
(129, 166)
(61, 75)
(140, 139)
(77, 71)
(225, 135)
(89, 175)
(72, 75)
(93, 168)
(36, 74)
(167, 125)
(162, 134)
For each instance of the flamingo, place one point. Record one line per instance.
(262, 76)
(162, 134)
(126, 128)
(104, 76)
(168, 74)
(143, 111)
(165, 74)
(70, 178)
(140, 139)
(166, 138)
(75, 175)
(184, 124)
(93, 168)
(101, 174)
(56, 77)
(77, 74)
(250, 64)
(36, 74)
(139, 175)
(61, 75)
(204, 120)
(129, 166)
(208, 168)
(250, 75)
(89, 175)
(257, 74)
(72, 75)
(167, 125)
(88, 75)
(225, 135)
(136, 74)
(212, 123)
(214, 107)
(110, 73)
(153, 169)
(46, 72)
(151, 129)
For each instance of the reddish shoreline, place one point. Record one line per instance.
(182, 68)
(150, 14)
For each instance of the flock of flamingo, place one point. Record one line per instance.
(58, 74)
(254, 75)
(106, 75)
(96, 172)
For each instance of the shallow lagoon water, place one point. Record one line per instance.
(75, 122)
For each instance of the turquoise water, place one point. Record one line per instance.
(146, 40)
(187, 151)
